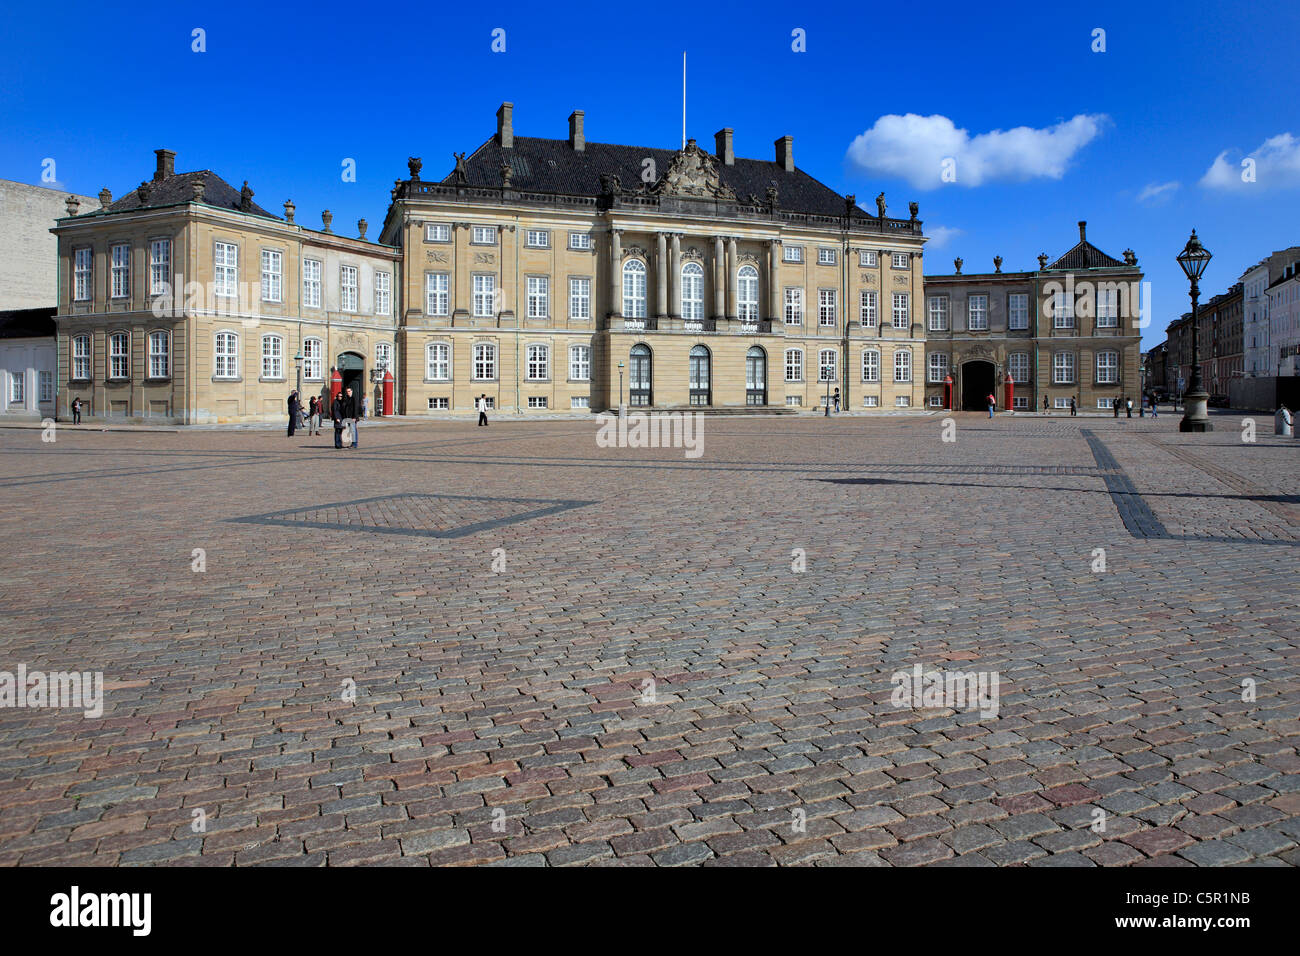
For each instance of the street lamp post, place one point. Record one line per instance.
(297, 361)
(620, 388)
(1196, 416)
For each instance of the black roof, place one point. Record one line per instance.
(553, 166)
(1085, 255)
(27, 323)
(178, 188)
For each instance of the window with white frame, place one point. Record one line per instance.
(119, 355)
(539, 363)
(348, 296)
(437, 292)
(485, 293)
(935, 401)
(579, 240)
(902, 314)
(938, 313)
(313, 366)
(17, 380)
(580, 363)
(1107, 368)
(826, 365)
(794, 400)
(81, 358)
(485, 362)
(120, 274)
(692, 291)
(1107, 403)
(867, 311)
(792, 254)
(900, 260)
(272, 357)
(1019, 401)
(272, 274)
(871, 365)
(484, 236)
(1018, 367)
(81, 266)
(579, 298)
(160, 266)
(794, 365)
(437, 232)
(539, 296)
(1017, 311)
(977, 313)
(383, 293)
(870, 401)
(44, 386)
(225, 269)
(634, 289)
(1062, 310)
(794, 306)
(537, 239)
(747, 294)
(1063, 368)
(226, 355)
(311, 283)
(825, 257)
(937, 367)
(383, 355)
(580, 401)
(538, 401)
(826, 306)
(437, 362)
(159, 354)
(902, 366)
(902, 401)
(1107, 308)
(439, 403)
(867, 258)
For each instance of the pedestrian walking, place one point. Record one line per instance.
(836, 399)
(351, 410)
(76, 411)
(1074, 409)
(1115, 405)
(482, 409)
(294, 410)
(365, 407)
(993, 403)
(1045, 411)
(1128, 408)
(1155, 410)
(336, 413)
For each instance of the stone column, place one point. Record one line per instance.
(774, 282)
(661, 274)
(719, 279)
(732, 266)
(616, 272)
(675, 271)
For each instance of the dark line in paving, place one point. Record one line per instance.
(1136, 514)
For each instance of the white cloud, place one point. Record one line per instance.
(1155, 193)
(1277, 164)
(915, 148)
(940, 236)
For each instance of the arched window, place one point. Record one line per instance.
(226, 355)
(755, 376)
(119, 355)
(902, 366)
(313, 366)
(639, 375)
(272, 356)
(539, 363)
(693, 291)
(747, 294)
(160, 348)
(826, 365)
(81, 358)
(485, 362)
(1107, 368)
(794, 365)
(871, 365)
(634, 289)
(437, 362)
(700, 368)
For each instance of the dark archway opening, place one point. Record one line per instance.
(976, 384)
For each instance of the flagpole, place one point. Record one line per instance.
(683, 99)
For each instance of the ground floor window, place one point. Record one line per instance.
(45, 384)
(902, 401)
(936, 401)
(870, 401)
(537, 401)
(1106, 403)
(439, 403)
(580, 401)
(794, 400)
(1019, 401)
(1061, 403)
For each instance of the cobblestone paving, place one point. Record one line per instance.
(509, 718)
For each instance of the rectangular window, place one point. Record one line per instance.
(437, 232)
(793, 365)
(119, 355)
(902, 318)
(1107, 308)
(81, 358)
(121, 272)
(977, 313)
(1106, 403)
(902, 366)
(826, 365)
(81, 259)
(1018, 367)
(438, 362)
(825, 306)
(383, 355)
(437, 286)
(348, 288)
(870, 401)
(438, 403)
(902, 401)
(868, 311)
(272, 274)
(1063, 368)
(899, 260)
(825, 257)
(160, 266)
(1017, 311)
(485, 288)
(580, 298)
(867, 258)
(537, 239)
(159, 354)
(226, 364)
(1062, 311)
(794, 306)
(539, 297)
(539, 363)
(272, 356)
(16, 382)
(484, 236)
(871, 366)
(935, 401)
(580, 363)
(383, 293)
(537, 401)
(45, 386)
(1107, 368)
(312, 365)
(225, 269)
(311, 283)
(1019, 401)
(794, 400)
(579, 240)
(937, 367)
(938, 313)
(580, 401)
(485, 362)
(792, 254)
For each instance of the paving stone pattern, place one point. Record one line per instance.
(649, 682)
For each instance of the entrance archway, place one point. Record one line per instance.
(756, 376)
(976, 384)
(639, 381)
(352, 366)
(700, 369)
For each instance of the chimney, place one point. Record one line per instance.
(723, 148)
(577, 139)
(785, 153)
(1083, 230)
(506, 126)
(166, 164)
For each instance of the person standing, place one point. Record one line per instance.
(76, 411)
(365, 406)
(1074, 408)
(836, 399)
(294, 410)
(1155, 412)
(1115, 406)
(1128, 408)
(993, 403)
(351, 410)
(482, 409)
(336, 413)
(1045, 411)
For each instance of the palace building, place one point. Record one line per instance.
(1070, 329)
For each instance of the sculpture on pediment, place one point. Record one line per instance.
(245, 198)
(956, 263)
(1042, 260)
(462, 173)
(1130, 257)
(913, 208)
(415, 164)
(880, 205)
(693, 173)
(610, 184)
(507, 174)
(773, 194)
(850, 203)
(142, 192)
(997, 263)
(105, 198)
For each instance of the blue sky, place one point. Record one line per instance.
(284, 94)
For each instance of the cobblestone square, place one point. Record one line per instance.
(512, 646)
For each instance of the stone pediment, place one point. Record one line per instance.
(693, 174)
